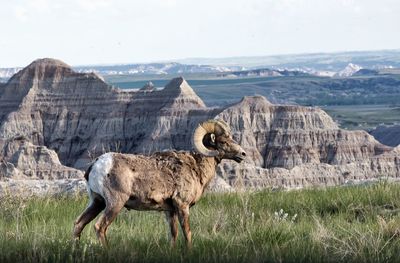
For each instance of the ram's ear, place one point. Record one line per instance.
(212, 139)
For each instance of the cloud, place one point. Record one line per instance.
(40, 5)
(169, 3)
(90, 5)
(30, 8)
(21, 13)
(27, 9)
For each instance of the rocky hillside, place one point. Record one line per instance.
(47, 109)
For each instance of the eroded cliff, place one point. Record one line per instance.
(47, 109)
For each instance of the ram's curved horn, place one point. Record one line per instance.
(198, 136)
(224, 126)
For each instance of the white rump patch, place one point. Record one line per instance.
(99, 171)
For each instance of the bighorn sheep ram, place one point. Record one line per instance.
(171, 181)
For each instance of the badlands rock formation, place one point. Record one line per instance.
(294, 146)
(47, 109)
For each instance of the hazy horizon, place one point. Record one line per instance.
(182, 60)
(84, 32)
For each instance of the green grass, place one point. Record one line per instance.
(348, 224)
(364, 116)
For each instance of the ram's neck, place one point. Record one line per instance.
(207, 169)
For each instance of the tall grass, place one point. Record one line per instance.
(350, 224)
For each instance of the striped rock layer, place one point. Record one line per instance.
(54, 121)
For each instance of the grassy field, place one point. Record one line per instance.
(348, 224)
(364, 116)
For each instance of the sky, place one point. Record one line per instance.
(86, 32)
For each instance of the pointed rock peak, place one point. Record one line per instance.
(48, 62)
(149, 86)
(181, 84)
(96, 76)
(251, 104)
(255, 100)
(396, 149)
(180, 91)
(175, 83)
(41, 69)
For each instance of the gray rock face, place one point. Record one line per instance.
(8, 170)
(21, 159)
(312, 174)
(78, 116)
(294, 146)
(28, 188)
(288, 136)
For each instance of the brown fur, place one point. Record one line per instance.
(164, 181)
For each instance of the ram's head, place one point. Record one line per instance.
(213, 138)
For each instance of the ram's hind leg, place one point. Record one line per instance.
(94, 208)
(172, 218)
(113, 207)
